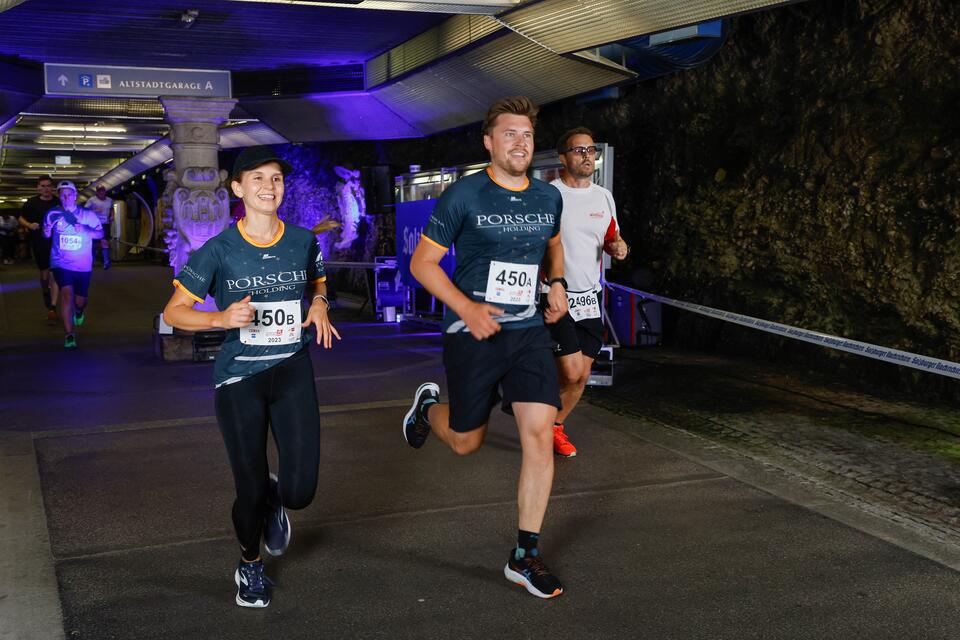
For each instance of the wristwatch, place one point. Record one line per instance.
(561, 280)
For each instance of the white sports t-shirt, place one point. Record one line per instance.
(589, 220)
(100, 207)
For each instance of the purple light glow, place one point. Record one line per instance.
(360, 116)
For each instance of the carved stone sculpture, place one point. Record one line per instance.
(196, 208)
(352, 204)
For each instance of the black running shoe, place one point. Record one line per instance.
(416, 427)
(276, 526)
(533, 575)
(253, 588)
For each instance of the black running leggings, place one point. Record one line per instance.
(283, 399)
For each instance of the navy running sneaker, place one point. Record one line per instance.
(253, 588)
(276, 527)
(533, 575)
(416, 427)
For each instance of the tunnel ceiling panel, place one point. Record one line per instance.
(573, 25)
(458, 90)
(225, 34)
(328, 117)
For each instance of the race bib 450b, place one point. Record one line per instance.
(274, 323)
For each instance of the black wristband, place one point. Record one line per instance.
(561, 280)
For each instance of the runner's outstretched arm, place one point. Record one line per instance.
(180, 313)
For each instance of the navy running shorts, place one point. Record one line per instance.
(514, 365)
(79, 280)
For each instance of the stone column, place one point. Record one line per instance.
(196, 204)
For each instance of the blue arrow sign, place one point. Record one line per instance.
(134, 82)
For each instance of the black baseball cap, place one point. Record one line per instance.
(253, 157)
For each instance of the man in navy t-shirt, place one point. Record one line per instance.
(506, 228)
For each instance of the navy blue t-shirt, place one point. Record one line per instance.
(489, 222)
(231, 266)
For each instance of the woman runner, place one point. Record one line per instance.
(258, 272)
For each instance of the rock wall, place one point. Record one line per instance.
(808, 174)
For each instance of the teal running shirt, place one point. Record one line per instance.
(501, 236)
(231, 266)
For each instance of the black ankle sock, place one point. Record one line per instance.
(526, 544)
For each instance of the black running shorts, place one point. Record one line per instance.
(79, 280)
(41, 251)
(514, 365)
(570, 336)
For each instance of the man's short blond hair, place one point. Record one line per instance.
(516, 105)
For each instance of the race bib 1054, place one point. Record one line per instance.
(70, 243)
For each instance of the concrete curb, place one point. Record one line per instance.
(29, 595)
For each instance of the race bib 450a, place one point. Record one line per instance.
(510, 283)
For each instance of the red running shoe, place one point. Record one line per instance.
(561, 443)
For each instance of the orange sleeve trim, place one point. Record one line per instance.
(434, 242)
(320, 280)
(178, 285)
(554, 240)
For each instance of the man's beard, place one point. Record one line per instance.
(517, 166)
(582, 171)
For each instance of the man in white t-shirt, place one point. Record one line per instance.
(588, 228)
(101, 205)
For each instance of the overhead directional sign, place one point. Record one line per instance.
(133, 82)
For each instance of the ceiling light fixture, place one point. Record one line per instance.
(79, 143)
(83, 128)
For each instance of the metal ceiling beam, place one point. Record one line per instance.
(9, 4)
(483, 7)
(566, 26)
(459, 89)
(562, 26)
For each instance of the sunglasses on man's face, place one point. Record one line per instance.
(592, 151)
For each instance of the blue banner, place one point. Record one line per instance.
(411, 219)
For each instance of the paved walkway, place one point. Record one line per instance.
(894, 458)
(693, 510)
